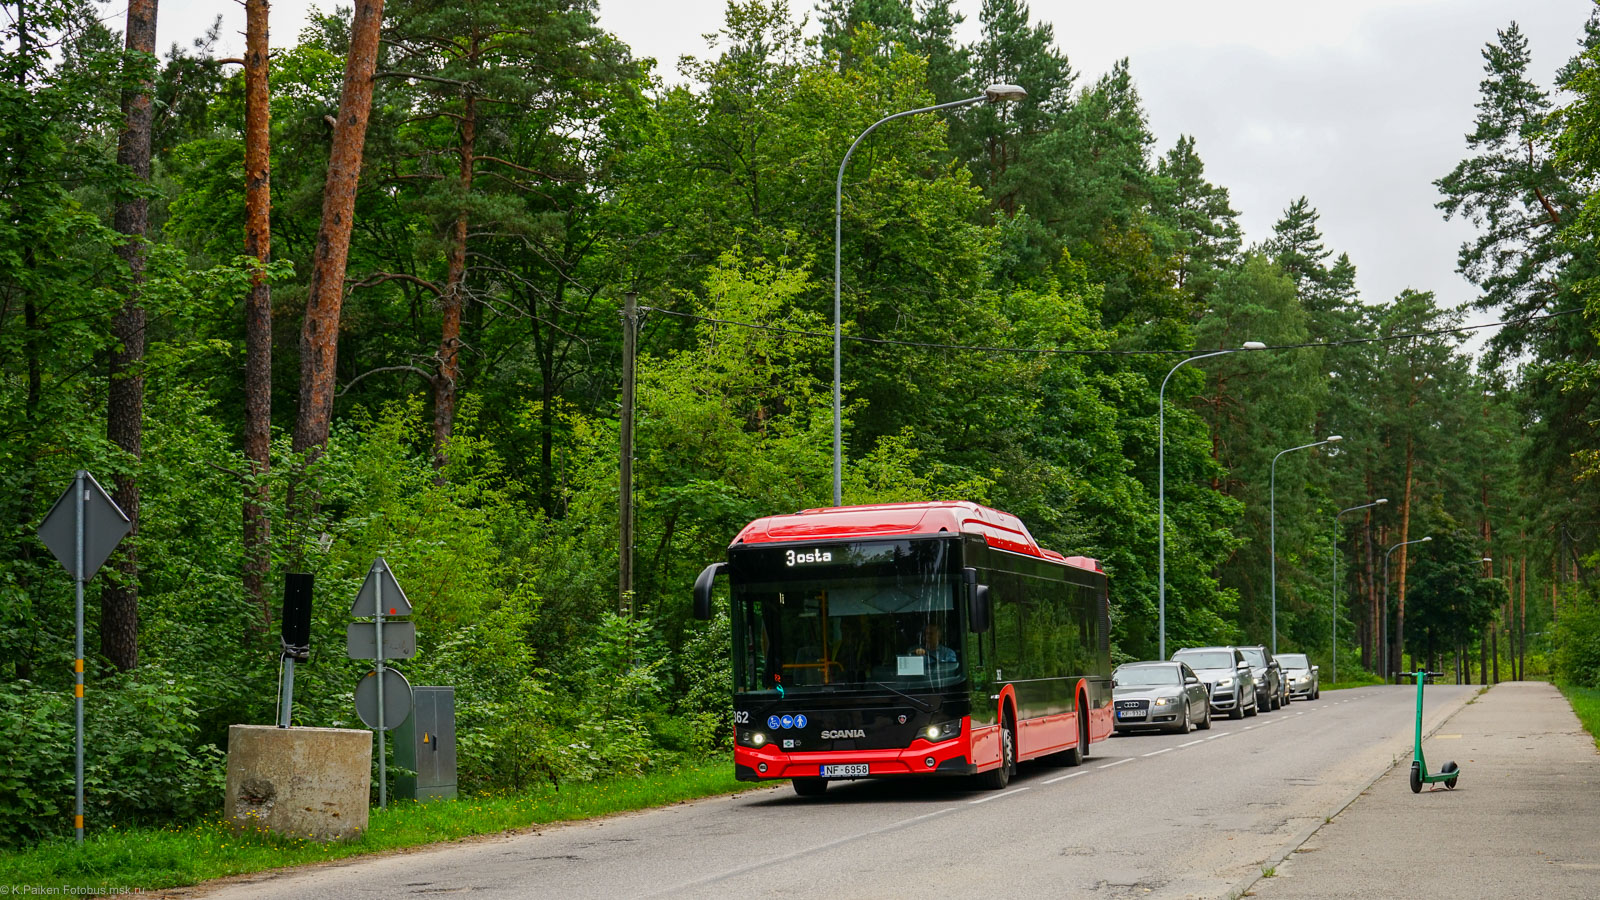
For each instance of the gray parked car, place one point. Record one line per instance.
(1165, 695)
(1269, 677)
(1227, 674)
(1305, 680)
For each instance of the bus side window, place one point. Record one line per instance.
(1010, 625)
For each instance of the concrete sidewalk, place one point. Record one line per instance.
(1523, 821)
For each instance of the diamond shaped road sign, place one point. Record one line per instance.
(104, 527)
(394, 599)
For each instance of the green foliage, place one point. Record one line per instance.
(141, 764)
(1577, 643)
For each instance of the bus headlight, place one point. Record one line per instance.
(752, 738)
(943, 731)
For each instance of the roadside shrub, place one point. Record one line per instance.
(142, 762)
(1576, 639)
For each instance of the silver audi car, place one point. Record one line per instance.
(1165, 695)
(1227, 674)
(1305, 681)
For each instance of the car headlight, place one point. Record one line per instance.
(1166, 701)
(1225, 682)
(943, 731)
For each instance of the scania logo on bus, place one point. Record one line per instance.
(843, 733)
(815, 556)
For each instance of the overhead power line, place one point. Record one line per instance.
(1063, 351)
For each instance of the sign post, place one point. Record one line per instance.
(381, 596)
(81, 530)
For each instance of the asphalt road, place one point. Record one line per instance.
(1148, 816)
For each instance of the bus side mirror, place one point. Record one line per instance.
(702, 589)
(977, 601)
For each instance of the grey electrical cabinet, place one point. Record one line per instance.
(426, 744)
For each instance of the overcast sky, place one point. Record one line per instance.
(1357, 104)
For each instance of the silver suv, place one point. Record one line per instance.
(1228, 676)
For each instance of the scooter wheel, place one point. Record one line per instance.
(1416, 777)
(1451, 769)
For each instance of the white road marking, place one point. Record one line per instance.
(1215, 736)
(1248, 727)
(1117, 763)
(995, 796)
(1159, 752)
(1063, 777)
(1191, 743)
(760, 864)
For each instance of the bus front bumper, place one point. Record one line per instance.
(921, 758)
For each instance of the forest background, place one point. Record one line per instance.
(442, 386)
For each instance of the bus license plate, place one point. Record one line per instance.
(1130, 713)
(854, 771)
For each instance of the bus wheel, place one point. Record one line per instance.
(810, 787)
(999, 777)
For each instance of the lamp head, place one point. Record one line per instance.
(1487, 559)
(1004, 93)
(1254, 345)
(1334, 439)
(1380, 501)
(1428, 538)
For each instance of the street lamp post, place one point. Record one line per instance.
(1383, 622)
(1335, 600)
(994, 93)
(1272, 526)
(1161, 485)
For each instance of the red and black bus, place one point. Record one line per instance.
(910, 639)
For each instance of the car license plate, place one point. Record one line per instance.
(855, 771)
(1130, 714)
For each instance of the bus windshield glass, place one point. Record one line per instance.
(862, 614)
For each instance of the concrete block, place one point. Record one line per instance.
(299, 782)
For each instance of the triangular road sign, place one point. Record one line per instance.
(104, 527)
(394, 599)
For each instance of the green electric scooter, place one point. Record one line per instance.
(1419, 766)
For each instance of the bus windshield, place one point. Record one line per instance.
(863, 614)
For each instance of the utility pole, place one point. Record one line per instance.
(630, 347)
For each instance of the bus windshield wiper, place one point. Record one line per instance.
(926, 707)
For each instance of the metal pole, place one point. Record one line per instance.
(1272, 526)
(1334, 604)
(383, 762)
(1384, 629)
(1161, 499)
(288, 691)
(79, 491)
(838, 231)
(630, 328)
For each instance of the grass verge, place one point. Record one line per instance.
(1586, 703)
(117, 859)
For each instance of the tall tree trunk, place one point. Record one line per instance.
(258, 312)
(319, 336)
(119, 599)
(1405, 531)
(444, 387)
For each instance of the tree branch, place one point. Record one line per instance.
(426, 376)
(377, 278)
